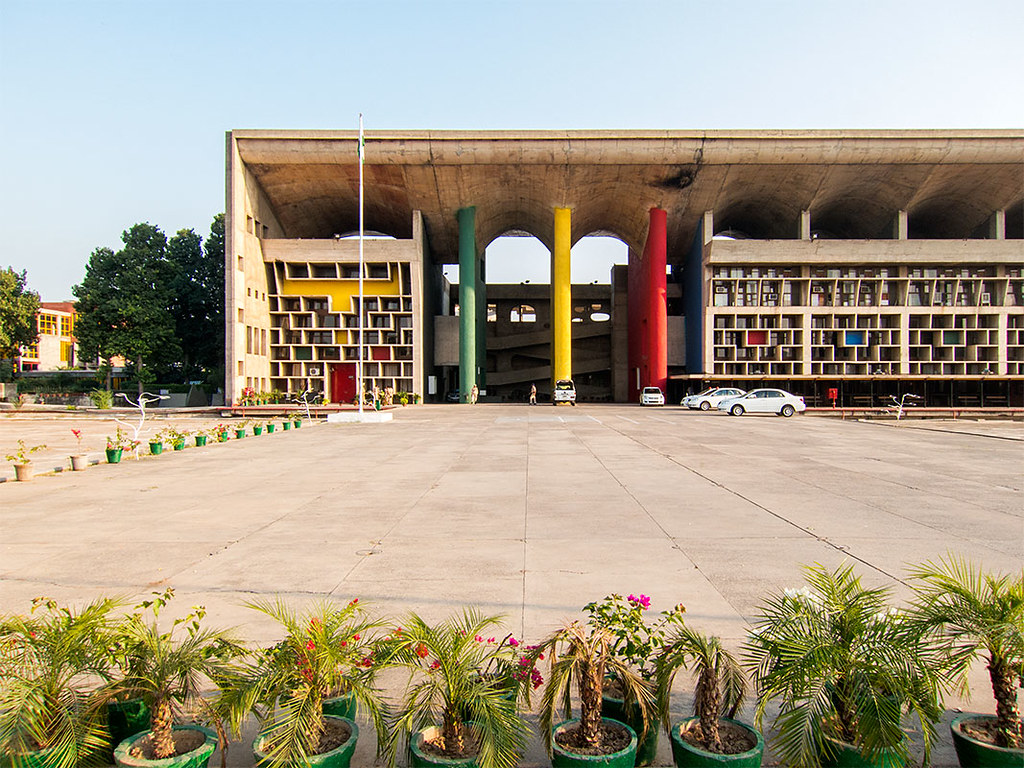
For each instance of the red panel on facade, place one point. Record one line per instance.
(380, 353)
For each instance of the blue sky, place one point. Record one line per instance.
(113, 112)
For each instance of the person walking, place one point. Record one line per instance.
(533, 394)
(474, 393)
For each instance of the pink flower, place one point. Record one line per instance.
(310, 645)
(479, 639)
(344, 643)
(490, 639)
(644, 602)
(435, 664)
(421, 651)
(355, 637)
(513, 642)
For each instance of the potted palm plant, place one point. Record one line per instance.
(977, 614)
(457, 709)
(842, 665)
(299, 688)
(22, 460)
(583, 655)
(721, 686)
(166, 669)
(49, 715)
(635, 642)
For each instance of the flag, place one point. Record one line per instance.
(360, 146)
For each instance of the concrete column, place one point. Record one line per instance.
(900, 228)
(657, 299)
(805, 225)
(467, 301)
(997, 226)
(561, 297)
(481, 323)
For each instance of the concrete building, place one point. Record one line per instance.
(866, 262)
(55, 349)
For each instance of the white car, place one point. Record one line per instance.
(711, 397)
(564, 392)
(652, 396)
(764, 401)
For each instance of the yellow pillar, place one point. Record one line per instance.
(561, 298)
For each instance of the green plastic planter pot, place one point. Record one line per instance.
(685, 754)
(239, 433)
(560, 758)
(39, 759)
(298, 423)
(124, 719)
(114, 455)
(647, 747)
(339, 757)
(420, 759)
(257, 431)
(270, 429)
(200, 441)
(843, 755)
(287, 425)
(197, 758)
(222, 437)
(973, 753)
(156, 448)
(179, 445)
(341, 706)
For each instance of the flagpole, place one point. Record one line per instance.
(362, 309)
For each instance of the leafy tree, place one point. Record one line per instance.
(17, 313)
(198, 303)
(123, 303)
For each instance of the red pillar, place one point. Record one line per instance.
(657, 297)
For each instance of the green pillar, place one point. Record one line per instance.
(467, 301)
(481, 322)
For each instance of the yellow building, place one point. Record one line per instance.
(55, 348)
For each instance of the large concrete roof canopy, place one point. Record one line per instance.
(853, 182)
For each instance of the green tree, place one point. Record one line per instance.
(124, 301)
(17, 313)
(198, 304)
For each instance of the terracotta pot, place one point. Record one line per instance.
(23, 472)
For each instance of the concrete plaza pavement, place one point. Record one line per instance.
(526, 511)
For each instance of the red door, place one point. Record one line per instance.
(343, 383)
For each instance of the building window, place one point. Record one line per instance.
(241, 263)
(524, 313)
(48, 324)
(67, 352)
(248, 340)
(263, 342)
(67, 325)
(241, 315)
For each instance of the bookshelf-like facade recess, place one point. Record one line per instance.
(312, 332)
(850, 321)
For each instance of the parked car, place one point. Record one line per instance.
(711, 397)
(564, 392)
(764, 401)
(652, 396)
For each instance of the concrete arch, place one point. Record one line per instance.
(853, 217)
(765, 218)
(945, 217)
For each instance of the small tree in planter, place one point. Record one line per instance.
(978, 614)
(721, 686)
(584, 656)
(461, 698)
(48, 714)
(635, 642)
(166, 670)
(327, 652)
(843, 665)
(22, 460)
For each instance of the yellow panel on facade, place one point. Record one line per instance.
(341, 292)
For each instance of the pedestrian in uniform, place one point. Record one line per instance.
(533, 394)
(474, 393)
